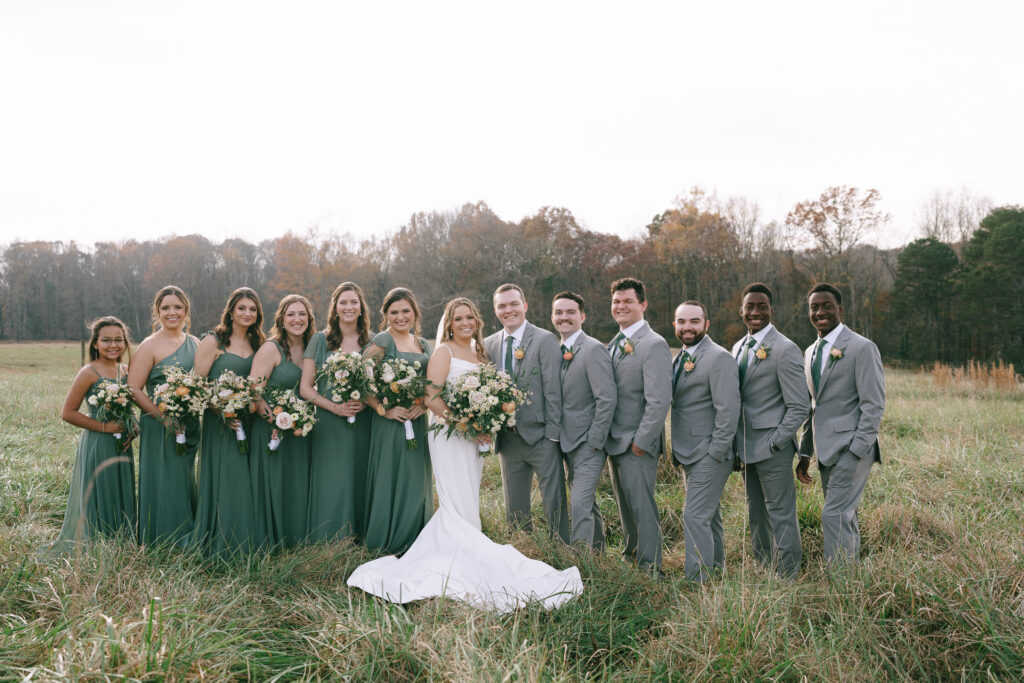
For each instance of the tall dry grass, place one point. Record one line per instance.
(977, 376)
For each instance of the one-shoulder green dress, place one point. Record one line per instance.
(280, 478)
(167, 483)
(337, 469)
(226, 515)
(399, 498)
(102, 495)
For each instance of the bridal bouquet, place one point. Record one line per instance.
(181, 397)
(480, 402)
(290, 413)
(397, 382)
(346, 375)
(231, 395)
(113, 401)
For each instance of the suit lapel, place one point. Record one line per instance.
(525, 346)
(826, 371)
(757, 361)
(635, 339)
(696, 355)
(808, 357)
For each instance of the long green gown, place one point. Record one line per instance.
(226, 515)
(398, 492)
(337, 469)
(167, 483)
(280, 478)
(102, 496)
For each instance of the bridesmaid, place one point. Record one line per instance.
(167, 485)
(226, 515)
(280, 479)
(337, 471)
(399, 495)
(102, 496)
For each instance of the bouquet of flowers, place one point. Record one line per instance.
(113, 401)
(231, 395)
(397, 382)
(181, 396)
(346, 378)
(481, 402)
(290, 413)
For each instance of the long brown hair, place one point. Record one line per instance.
(255, 331)
(279, 334)
(398, 294)
(108, 321)
(333, 330)
(447, 319)
(168, 290)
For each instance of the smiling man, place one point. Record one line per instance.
(775, 403)
(532, 357)
(847, 385)
(642, 364)
(588, 405)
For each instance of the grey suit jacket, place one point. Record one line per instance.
(537, 374)
(846, 411)
(643, 382)
(774, 398)
(588, 395)
(705, 405)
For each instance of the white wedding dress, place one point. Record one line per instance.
(452, 557)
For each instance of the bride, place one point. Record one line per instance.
(451, 556)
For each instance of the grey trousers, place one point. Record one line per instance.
(771, 504)
(843, 485)
(704, 538)
(584, 466)
(519, 462)
(633, 484)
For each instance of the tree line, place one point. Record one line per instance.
(953, 295)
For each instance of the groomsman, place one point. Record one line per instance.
(532, 357)
(588, 405)
(844, 376)
(775, 404)
(642, 364)
(705, 411)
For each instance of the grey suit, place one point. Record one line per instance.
(530, 447)
(643, 382)
(842, 431)
(705, 411)
(775, 404)
(588, 405)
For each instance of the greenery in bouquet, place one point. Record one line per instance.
(181, 398)
(398, 383)
(346, 378)
(231, 395)
(113, 401)
(480, 402)
(289, 413)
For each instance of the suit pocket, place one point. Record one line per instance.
(702, 429)
(846, 423)
(768, 421)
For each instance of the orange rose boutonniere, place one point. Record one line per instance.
(626, 346)
(567, 356)
(689, 365)
(519, 353)
(762, 352)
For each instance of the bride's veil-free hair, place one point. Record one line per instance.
(445, 331)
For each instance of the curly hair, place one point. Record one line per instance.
(255, 331)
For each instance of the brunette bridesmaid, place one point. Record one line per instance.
(167, 485)
(337, 473)
(226, 515)
(280, 478)
(399, 495)
(102, 496)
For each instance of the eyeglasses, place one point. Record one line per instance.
(108, 340)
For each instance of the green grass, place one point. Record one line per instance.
(939, 593)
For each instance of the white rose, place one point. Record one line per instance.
(224, 393)
(284, 421)
(338, 375)
(476, 398)
(356, 396)
(472, 381)
(388, 375)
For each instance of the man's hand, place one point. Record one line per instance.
(637, 451)
(802, 467)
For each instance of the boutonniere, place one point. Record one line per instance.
(689, 363)
(520, 352)
(626, 346)
(834, 355)
(567, 356)
(762, 352)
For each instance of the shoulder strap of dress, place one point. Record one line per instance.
(95, 371)
(447, 348)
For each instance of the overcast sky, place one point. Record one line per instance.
(141, 119)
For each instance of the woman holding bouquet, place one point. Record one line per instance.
(399, 500)
(452, 557)
(226, 514)
(167, 485)
(102, 496)
(280, 478)
(337, 469)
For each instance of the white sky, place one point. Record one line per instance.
(141, 119)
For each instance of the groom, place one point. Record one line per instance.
(532, 357)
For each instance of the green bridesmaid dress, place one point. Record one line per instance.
(280, 478)
(337, 469)
(226, 516)
(399, 498)
(167, 483)
(102, 496)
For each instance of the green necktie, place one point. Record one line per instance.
(816, 363)
(745, 357)
(615, 343)
(509, 341)
(565, 350)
